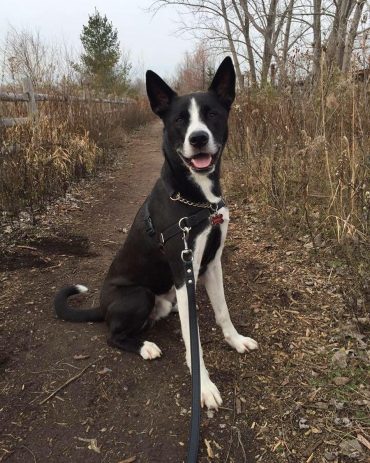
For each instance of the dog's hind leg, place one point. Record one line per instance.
(127, 318)
(164, 305)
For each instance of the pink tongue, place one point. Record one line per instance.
(202, 161)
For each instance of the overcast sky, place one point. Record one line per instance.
(151, 41)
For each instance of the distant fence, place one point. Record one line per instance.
(30, 97)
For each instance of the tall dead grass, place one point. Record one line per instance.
(69, 140)
(307, 158)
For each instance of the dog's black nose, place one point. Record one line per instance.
(198, 138)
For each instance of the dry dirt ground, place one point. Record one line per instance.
(67, 397)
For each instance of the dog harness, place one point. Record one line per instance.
(209, 211)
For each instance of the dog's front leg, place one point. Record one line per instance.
(214, 285)
(211, 397)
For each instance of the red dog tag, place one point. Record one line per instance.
(217, 219)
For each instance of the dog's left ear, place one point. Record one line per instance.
(223, 83)
(159, 93)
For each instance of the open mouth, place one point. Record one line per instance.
(201, 161)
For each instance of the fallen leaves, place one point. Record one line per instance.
(341, 380)
(81, 356)
(128, 460)
(93, 444)
(339, 359)
(363, 441)
(209, 449)
(351, 448)
(104, 371)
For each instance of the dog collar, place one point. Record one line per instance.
(175, 195)
(214, 207)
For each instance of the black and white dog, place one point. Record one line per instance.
(147, 276)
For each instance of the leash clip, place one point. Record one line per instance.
(186, 253)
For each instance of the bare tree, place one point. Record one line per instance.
(337, 40)
(259, 33)
(195, 71)
(26, 53)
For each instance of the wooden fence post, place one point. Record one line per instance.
(32, 106)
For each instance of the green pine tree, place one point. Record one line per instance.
(101, 57)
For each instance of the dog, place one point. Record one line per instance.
(147, 276)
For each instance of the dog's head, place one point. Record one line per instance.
(196, 124)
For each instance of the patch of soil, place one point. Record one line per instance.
(40, 251)
(20, 259)
(63, 243)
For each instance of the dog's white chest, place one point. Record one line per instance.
(201, 240)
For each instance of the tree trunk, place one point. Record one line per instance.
(245, 26)
(350, 40)
(284, 60)
(317, 48)
(239, 75)
(342, 31)
(267, 51)
(337, 37)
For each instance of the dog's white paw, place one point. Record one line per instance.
(210, 395)
(242, 344)
(150, 351)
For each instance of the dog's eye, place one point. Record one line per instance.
(179, 119)
(212, 114)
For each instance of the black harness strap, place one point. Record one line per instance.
(175, 229)
(190, 222)
(149, 226)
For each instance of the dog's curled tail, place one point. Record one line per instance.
(73, 314)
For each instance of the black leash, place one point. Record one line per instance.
(187, 259)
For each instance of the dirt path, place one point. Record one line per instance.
(288, 402)
(131, 407)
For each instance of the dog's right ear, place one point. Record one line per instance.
(159, 93)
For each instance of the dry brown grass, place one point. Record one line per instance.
(307, 158)
(69, 140)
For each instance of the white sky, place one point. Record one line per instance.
(151, 41)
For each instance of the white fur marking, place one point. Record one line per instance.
(81, 288)
(213, 281)
(209, 393)
(205, 184)
(163, 304)
(162, 308)
(150, 351)
(241, 343)
(196, 124)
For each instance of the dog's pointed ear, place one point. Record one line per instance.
(223, 83)
(159, 93)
